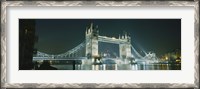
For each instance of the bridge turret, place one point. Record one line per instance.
(129, 39)
(90, 30)
(91, 25)
(125, 48)
(123, 37)
(92, 41)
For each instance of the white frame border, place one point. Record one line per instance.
(5, 4)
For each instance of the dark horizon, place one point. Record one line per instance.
(157, 35)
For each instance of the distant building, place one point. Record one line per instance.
(26, 43)
(173, 56)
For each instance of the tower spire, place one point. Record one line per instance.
(86, 30)
(91, 25)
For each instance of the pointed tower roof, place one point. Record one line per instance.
(91, 25)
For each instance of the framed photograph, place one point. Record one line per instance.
(100, 44)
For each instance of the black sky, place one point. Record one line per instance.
(157, 35)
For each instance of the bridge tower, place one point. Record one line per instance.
(125, 48)
(91, 37)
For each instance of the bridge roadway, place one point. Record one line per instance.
(52, 58)
(70, 58)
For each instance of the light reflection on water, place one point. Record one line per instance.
(87, 66)
(128, 67)
(109, 65)
(155, 67)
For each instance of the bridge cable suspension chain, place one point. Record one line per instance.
(66, 54)
(137, 54)
(41, 54)
(72, 51)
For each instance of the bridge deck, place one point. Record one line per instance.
(49, 58)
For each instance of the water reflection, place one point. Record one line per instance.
(63, 65)
(156, 67)
(137, 67)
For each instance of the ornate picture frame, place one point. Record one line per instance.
(4, 39)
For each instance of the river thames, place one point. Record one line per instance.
(120, 67)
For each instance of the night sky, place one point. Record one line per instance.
(156, 35)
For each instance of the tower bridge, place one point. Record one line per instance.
(90, 48)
